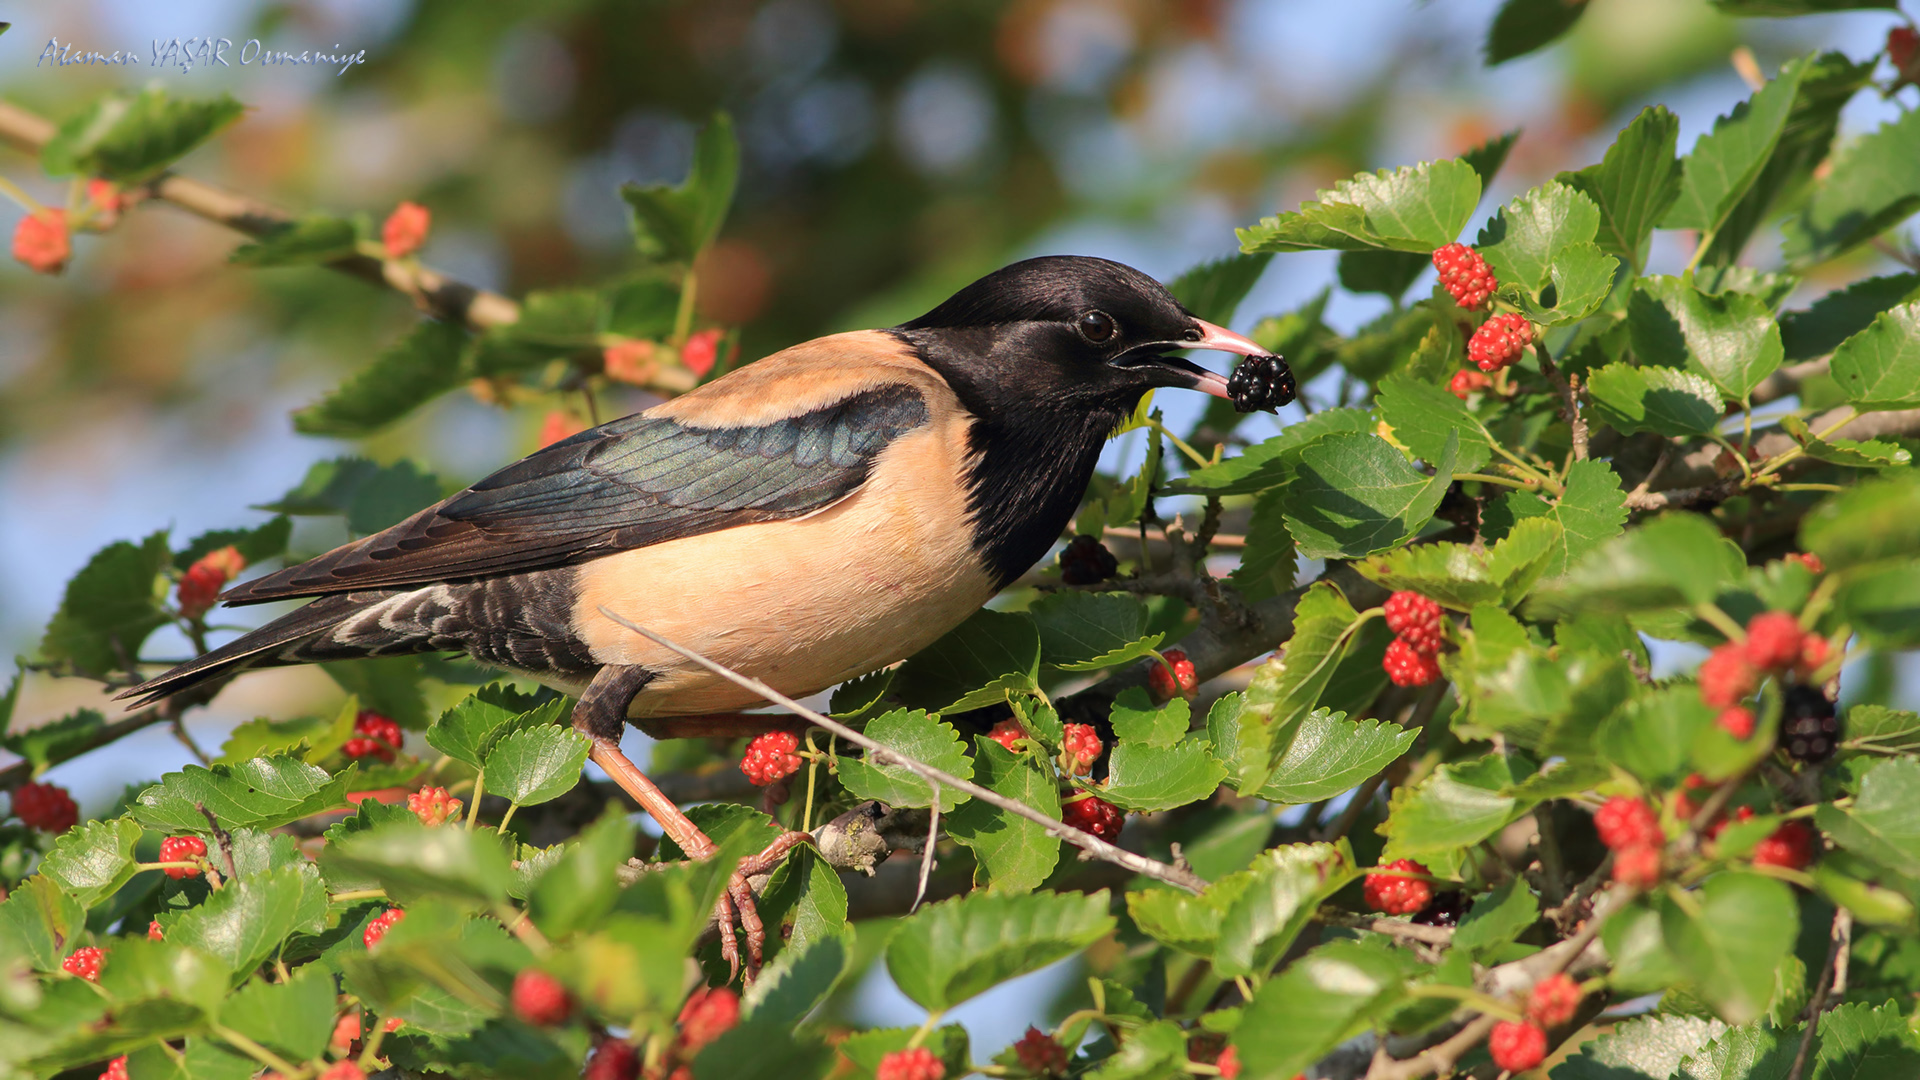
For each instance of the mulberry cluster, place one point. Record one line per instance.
(771, 757)
(1395, 893)
(1418, 626)
(1465, 275)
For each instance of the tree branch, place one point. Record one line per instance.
(1694, 478)
(879, 754)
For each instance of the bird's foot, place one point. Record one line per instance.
(738, 903)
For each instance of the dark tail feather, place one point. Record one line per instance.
(275, 644)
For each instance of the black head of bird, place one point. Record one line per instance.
(809, 518)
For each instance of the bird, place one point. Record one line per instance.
(811, 517)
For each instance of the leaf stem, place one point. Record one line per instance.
(254, 1050)
(1486, 478)
(1720, 620)
(479, 789)
(1179, 443)
(683, 315)
(506, 817)
(1468, 996)
(354, 895)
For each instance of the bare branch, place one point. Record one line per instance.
(1100, 849)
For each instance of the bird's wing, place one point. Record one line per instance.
(634, 482)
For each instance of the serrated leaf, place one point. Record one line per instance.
(536, 764)
(1882, 730)
(1883, 824)
(1213, 290)
(313, 238)
(1286, 885)
(1726, 161)
(1843, 313)
(1353, 495)
(977, 663)
(1860, 1042)
(1460, 804)
(293, 1018)
(468, 731)
(42, 918)
(1460, 577)
(371, 496)
(93, 860)
(1424, 415)
(55, 741)
(1524, 239)
(1674, 561)
(1871, 187)
(1726, 938)
(1145, 778)
(1523, 26)
(130, 138)
(1012, 853)
(1650, 736)
(806, 898)
(1388, 273)
(1582, 277)
(1135, 718)
(1089, 631)
(110, 607)
(1729, 338)
(1879, 367)
(263, 793)
(1634, 184)
(676, 223)
(243, 922)
(1269, 562)
(1661, 400)
(417, 368)
(410, 862)
(1853, 454)
(1497, 918)
(920, 737)
(1267, 464)
(1415, 208)
(1647, 1045)
(954, 950)
(798, 980)
(1251, 733)
(580, 886)
(1315, 1004)
(258, 544)
(1331, 754)
(1744, 1053)
(1184, 921)
(1873, 521)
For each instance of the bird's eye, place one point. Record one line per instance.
(1098, 327)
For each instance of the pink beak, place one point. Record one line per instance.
(1224, 340)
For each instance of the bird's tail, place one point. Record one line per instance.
(285, 640)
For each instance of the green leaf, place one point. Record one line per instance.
(1497, 918)
(1799, 7)
(1871, 187)
(1461, 803)
(674, 224)
(1643, 1046)
(92, 861)
(536, 764)
(41, 917)
(1353, 495)
(110, 607)
(1523, 26)
(1252, 733)
(1729, 338)
(1089, 631)
(469, 731)
(1270, 463)
(1213, 290)
(1726, 161)
(389, 685)
(248, 918)
(920, 737)
(1674, 561)
(977, 663)
(580, 887)
(1634, 184)
(766, 1050)
(806, 899)
(951, 951)
(420, 366)
(1269, 562)
(263, 793)
(1727, 940)
(314, 238)
(1145, 778)
(1013, 854)
(1883, 604)
(1135, 718)
(56, 741)
(130, 138)
(1882, 730)
(1745, 1053)
(1843, 313)
(293, 1018)
(1650, 736)
(1873, 521)
(1331, 754)
(1184, 921)
(1661, 400)
(412, 862)
(1285, 887)
(865, 1049)
(1316, 1004)
(1582, 277)
(1524, 239)
(371, 496)
(1883, 824)
(1423, 416)
(1388, 273)
(798, 980)
(1879, 367)
(1854, 454)
(1460, 577)
(1860, 1042)
(255, 545)
(1415, 208)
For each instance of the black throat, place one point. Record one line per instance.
(1035, 446)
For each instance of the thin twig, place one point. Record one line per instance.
(926, 856)
(1842, 937)
(1569, 404)
(881, 755)
(1426, 935)
(222, 838)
